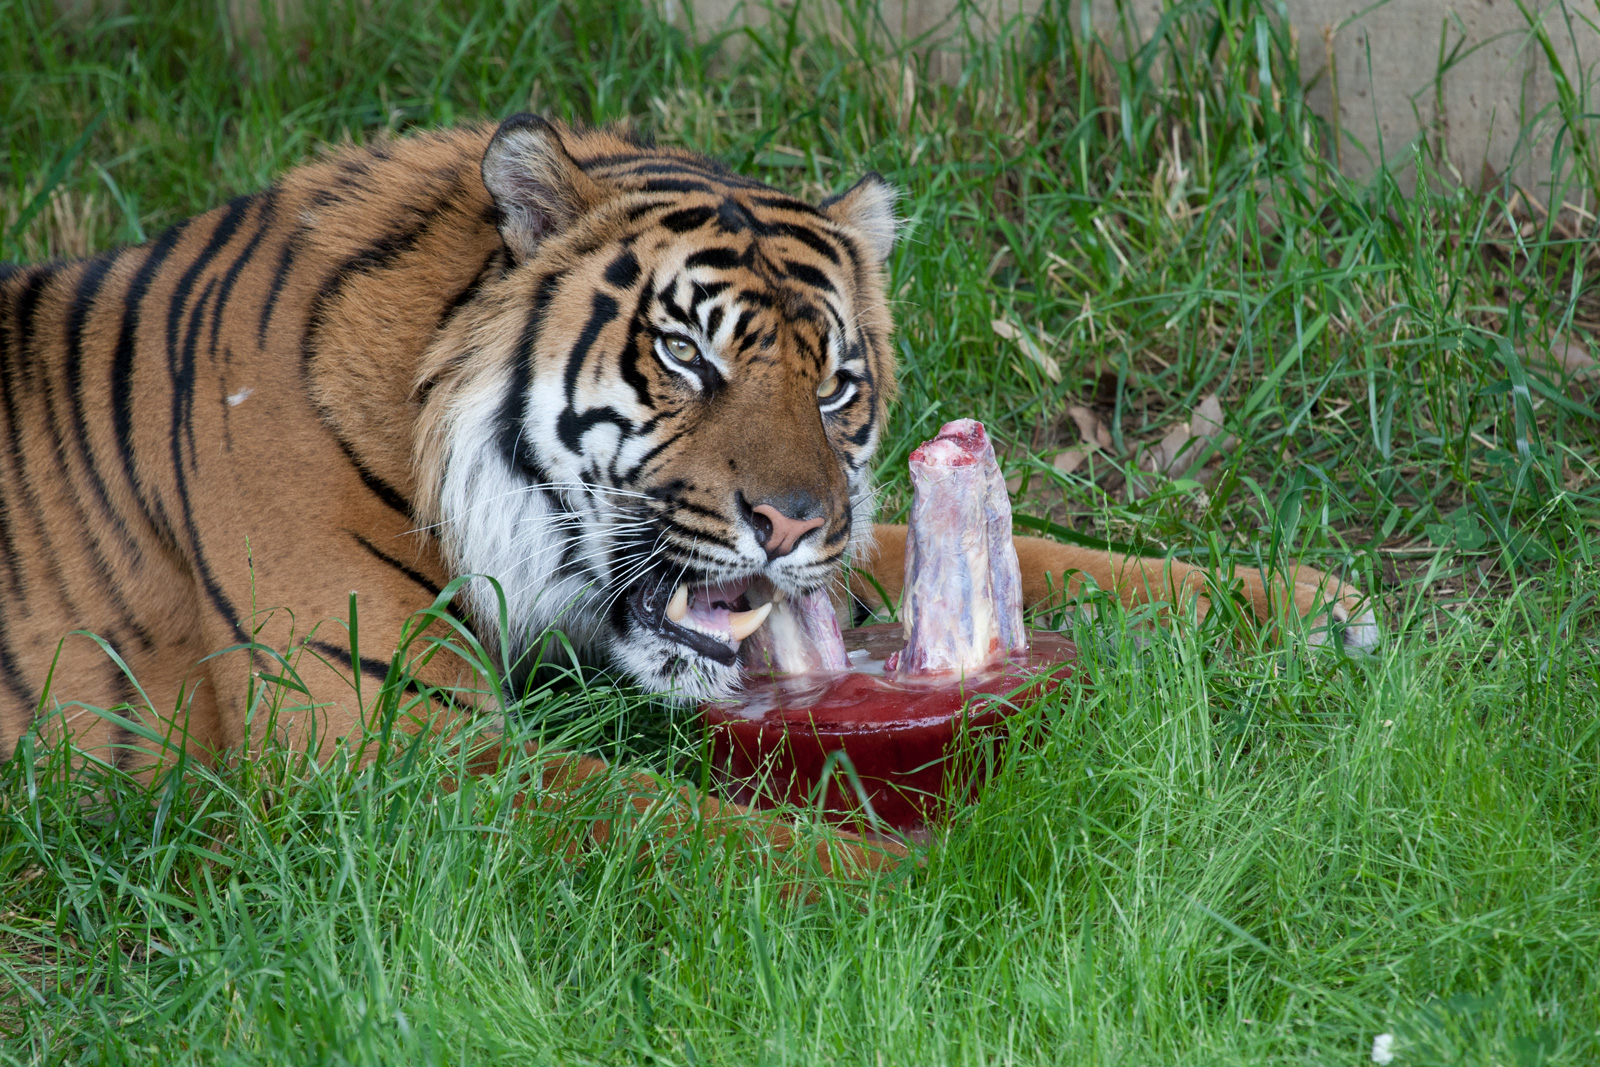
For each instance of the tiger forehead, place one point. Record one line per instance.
(700, 278)
(760, 308)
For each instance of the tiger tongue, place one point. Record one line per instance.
(802, 635)
(724, 595)
(709, 609)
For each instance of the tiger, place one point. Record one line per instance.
(628, 384)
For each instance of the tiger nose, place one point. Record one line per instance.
(777, 532)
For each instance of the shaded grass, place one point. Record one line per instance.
(1209, 855)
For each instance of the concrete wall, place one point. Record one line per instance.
(1490, 110)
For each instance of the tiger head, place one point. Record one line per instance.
(663, 413)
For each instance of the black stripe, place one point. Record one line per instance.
(416, 576)
(809, 237)
(676, 185)
(704, 291)
(623, 271)
(639, 210)
(12, 357)
(35, 375)
(12, 676)
(617, 167)
(280, 275)
(513, 414)
(26, 367)
(123, 743)
(491, 264)
(718, 258)
(266, 215)
(379, 488)
(9, 671)
(685, 219)
(635, 351)
(91, 275)
(785, 203)
(375, 668)
(191, 344)
(571, 426)
(180, 370)
(376, 256)
(122, 364)
(630, 476)
(806, 274)
(83, 302)
(696, 535)
(860, 436)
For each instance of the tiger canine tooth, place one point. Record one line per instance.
(678, 606)
(741, 624)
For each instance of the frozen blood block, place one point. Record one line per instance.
(914, 743)
(962, 600)
(866, 726)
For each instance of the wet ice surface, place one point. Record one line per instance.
(867, 696)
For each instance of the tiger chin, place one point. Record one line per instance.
(640, 391)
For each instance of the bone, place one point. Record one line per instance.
(962, 604)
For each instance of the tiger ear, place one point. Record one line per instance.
(538, 188)
(867, 208)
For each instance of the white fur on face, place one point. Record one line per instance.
(566, 542)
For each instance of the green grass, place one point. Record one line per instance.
(1207, 856)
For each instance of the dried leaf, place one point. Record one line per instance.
(1070, 460)
(1031, 348)
(1566, 355)
(1090, 428)
(1206, 421)
(908, 97)
(1163, 455)
(1185, 445)
(1572, 356)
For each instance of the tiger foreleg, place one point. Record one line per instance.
(1053, 574)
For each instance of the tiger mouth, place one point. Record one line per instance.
(710, 618)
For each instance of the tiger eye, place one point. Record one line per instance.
(681, 350)
(828, 387)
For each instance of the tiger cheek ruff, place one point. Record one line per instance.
(640, 391)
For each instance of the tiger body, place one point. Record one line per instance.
(602, 372)
(335, 385)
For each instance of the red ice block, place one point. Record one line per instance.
(904, 716)
(916, 741)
